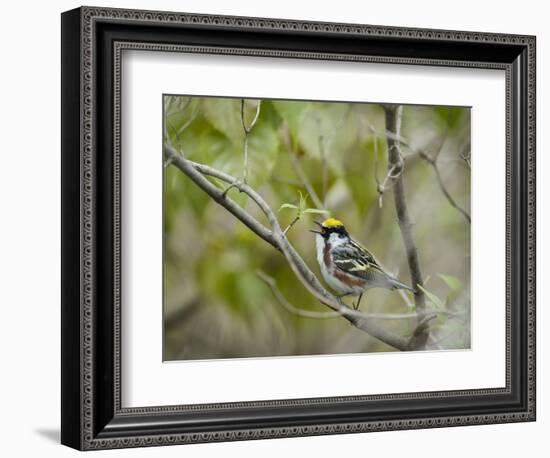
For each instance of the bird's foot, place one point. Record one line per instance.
(358, 302)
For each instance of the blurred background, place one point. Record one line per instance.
(215, 304)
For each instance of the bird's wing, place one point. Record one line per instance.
(356, 260)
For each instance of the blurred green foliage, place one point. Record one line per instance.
(215, 306)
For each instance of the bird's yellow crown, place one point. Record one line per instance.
(331, 222)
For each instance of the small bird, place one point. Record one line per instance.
(349, 268)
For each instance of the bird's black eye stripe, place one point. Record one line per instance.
(334, 230)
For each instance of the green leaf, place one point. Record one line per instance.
(291, 112)
(316, 211)
(174, 104)
(179, 114)
(201, 142)
(291, 206)
(454, 283)
(225, 115)
(438, 303)
(323, 130)
(450, 116)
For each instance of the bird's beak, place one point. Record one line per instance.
(318, 224)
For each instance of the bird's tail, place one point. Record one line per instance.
(396, 284)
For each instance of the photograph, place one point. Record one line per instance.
(311, 227)
(265, 228)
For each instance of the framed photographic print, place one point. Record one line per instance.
(276, 228)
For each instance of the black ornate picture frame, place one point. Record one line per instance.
(92, 42)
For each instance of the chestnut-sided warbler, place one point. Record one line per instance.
(349, 268)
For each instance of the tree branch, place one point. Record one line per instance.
(433, 162)
(192, 170)
(277, 239)
(381, 188)
(395, 161)
(246, 130)
(465, 155)
(270, 281)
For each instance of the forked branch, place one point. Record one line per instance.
(246, 130)
(433, 162)
(395, 162)
(430, 159)
(276, 237)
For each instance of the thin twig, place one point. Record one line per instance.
(276, 238)
(390, 135)
(447, 194)
(383, 187)
(247, 130)
(292, 223)
(270, 281)
(433, 161)
(196, 172)
(465, 155)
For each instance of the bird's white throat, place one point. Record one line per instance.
(320, 244)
